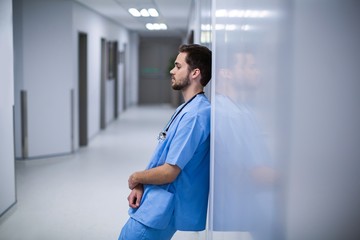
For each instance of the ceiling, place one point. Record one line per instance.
(174, 13)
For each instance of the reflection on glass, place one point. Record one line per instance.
(244, 173)
(246, 155)
(284, 161)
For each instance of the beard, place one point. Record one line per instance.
(182, 84)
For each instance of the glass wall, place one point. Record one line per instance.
(285, 120)
(249, 120)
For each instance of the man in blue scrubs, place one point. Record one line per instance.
(172, 193)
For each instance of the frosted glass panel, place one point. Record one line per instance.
(285, 120)
(248, 86)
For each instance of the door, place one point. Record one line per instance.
(83, 122)
(115, 63)
(102, 84)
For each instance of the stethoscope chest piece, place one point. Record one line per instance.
(162, 136)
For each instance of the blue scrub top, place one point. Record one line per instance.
(187, 145)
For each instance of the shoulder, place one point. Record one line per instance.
(197, 113)
(200, 107)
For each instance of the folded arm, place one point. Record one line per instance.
(163, 174)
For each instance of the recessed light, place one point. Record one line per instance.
(153, 12)
(144, 12)
(156, 26)
(134, 12)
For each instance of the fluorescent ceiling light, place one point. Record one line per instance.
(153, 12)
(235, 13)
(134, 12)
(227, 27)
(156, 26)
(144, 12)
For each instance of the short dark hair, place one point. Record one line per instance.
(198, 57)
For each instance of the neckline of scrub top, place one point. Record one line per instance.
(177, 113)
(162, 134)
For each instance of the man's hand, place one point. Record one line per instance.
(135, 196)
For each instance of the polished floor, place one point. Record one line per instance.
(84, 195)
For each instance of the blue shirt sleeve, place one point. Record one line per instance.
(188, 136)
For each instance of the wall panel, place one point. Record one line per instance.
(7, 173)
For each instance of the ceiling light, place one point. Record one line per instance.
(156, 26)
(163, 26)
(144, 13)
(221, 13)
(134, 12)
(205, 27)
(153, 12)
(149, 26)
(235, 13)
(245, 27)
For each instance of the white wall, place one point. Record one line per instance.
(7, 172)
(324, 190)
(97, 27)
(45, 73)
(18, 73)
(46, 56)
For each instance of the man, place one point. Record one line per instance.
(172, 193)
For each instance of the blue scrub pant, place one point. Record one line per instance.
(134, 230)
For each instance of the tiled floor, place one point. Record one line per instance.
(83, 195)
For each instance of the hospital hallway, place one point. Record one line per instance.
(85, 90)
(84, 195)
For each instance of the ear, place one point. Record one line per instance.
(195, 73)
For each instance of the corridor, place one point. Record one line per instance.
(84, 195)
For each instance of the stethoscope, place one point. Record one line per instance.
(162, 134)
